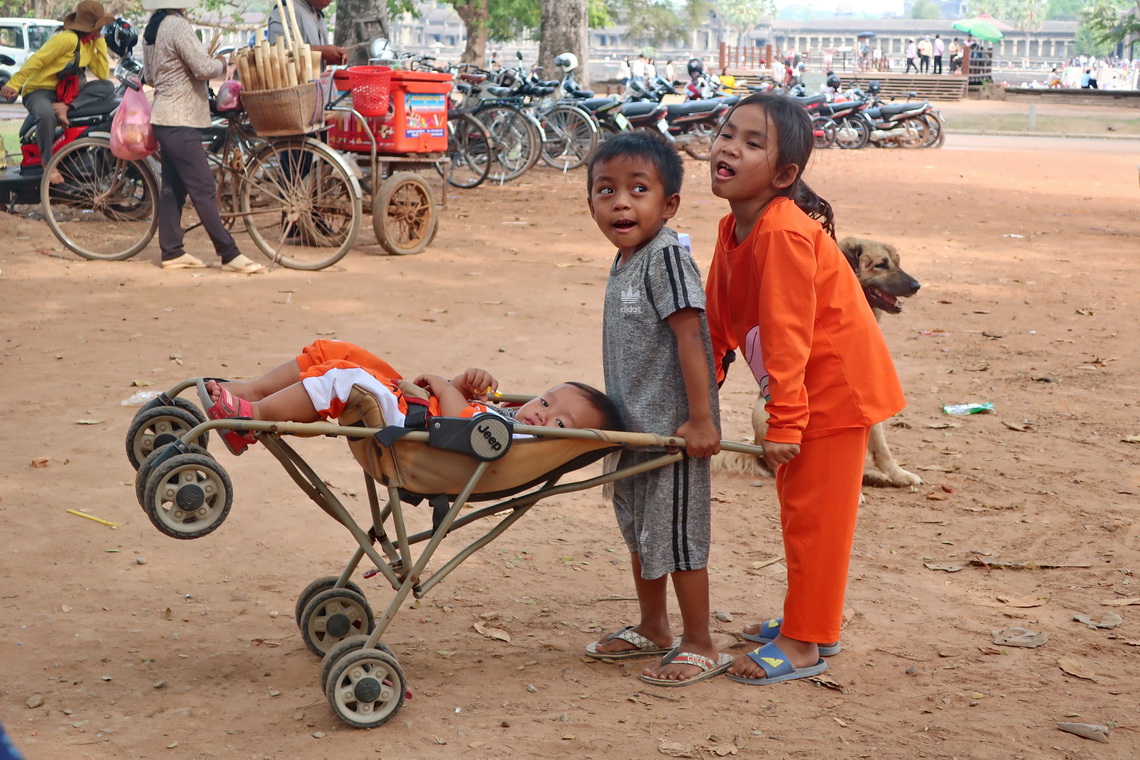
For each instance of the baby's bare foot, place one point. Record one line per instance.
(214, 388)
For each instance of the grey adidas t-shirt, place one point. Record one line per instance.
(639, 350)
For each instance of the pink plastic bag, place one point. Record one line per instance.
(229, 95)
(132, 136)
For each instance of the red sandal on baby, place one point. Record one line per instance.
(230, 407)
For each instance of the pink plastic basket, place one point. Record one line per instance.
(370, 86)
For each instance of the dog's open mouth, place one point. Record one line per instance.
(883, 301)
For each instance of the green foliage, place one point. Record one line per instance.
(598, 15)
(658, 21)
(1027, 15)
(1000, 9)
(742, 15)
(927, 9)
(1064, 10)
(1086, 43)
(508, 19)
(1111, 22)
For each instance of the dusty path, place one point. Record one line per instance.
(1028, 259)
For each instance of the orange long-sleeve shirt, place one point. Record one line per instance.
(788, 299)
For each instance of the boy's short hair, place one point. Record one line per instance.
(650, 146)
(611, 415)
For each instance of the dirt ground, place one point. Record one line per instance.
(119, 642)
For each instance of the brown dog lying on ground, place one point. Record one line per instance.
(884, 283)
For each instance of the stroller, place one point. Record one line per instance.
(448, 463)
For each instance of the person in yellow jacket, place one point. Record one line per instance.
(39, 77)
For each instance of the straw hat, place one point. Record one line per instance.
(87, 17)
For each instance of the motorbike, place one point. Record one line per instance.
(909, 125)
(691, 125)
(20, 181)
(853, 128)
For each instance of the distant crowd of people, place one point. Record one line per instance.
(1091, 73)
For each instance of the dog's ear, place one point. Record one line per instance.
(852, 249)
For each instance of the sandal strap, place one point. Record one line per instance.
(773, 660)
(690, 658)
(631, 636)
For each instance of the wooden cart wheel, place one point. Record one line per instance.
(403, 214)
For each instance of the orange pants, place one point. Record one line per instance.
(819, 499)
(342, 354)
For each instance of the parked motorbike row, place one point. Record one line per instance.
(855, 119)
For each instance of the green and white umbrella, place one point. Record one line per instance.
(982, 27)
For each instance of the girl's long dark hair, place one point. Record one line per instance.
(794, 146)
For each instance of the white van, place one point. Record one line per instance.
(20, 37)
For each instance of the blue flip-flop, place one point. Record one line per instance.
(777, 667)
(770, 629)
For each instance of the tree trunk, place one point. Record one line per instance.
(564, 31)
(358, 22)
(476, 16)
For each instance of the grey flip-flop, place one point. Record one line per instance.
(645, 647)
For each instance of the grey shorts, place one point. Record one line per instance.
(664, 515)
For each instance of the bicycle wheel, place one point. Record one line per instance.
(571, 135)
(301, 206)
(469, 145)
(516, 144)
(105, 208)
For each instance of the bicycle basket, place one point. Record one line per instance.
(370, 86)
(288, 111)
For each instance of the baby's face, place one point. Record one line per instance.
(562, 406)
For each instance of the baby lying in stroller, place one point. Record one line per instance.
(317, 383)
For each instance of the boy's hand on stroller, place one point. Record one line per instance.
(701, 438)
(475, 383)
(779, 453)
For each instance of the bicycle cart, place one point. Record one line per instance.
(403, 132)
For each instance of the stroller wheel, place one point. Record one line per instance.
(314, 588)
(366, 688)
(183, 404)
(343, 647)
(154, 428)
(148, 466)
(188, 496)
(333, 615)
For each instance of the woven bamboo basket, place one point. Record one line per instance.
(288, 111)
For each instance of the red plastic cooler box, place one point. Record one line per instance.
(416, 121)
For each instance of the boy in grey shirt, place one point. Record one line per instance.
(658, 369)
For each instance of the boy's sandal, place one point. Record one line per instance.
(243, 264)
(230, 407)
(770, 629)
(643, 647)
(708, 667)
(185, 261)
(777, 667)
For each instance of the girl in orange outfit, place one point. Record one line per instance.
(780, 291)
